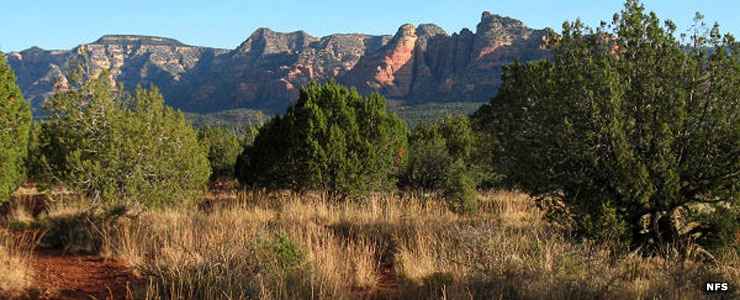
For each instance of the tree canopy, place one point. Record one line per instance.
(112, 145)
(632, 129)
(15, 127)
(331, 139)
(434, 147)
(224, 146)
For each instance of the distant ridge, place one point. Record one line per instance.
(416, 65)
(118, 39)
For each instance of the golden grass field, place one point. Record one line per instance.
(257, 245)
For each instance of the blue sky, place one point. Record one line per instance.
(54, 24)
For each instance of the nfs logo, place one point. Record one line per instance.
(717, 287)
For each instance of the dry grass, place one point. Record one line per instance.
(15, 269)
(291, 246)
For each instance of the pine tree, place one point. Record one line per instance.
(15, 127)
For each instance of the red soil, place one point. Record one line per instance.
(388, 284)
(65, 277)
(387, 287)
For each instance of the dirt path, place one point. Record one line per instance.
(81, 277)
(388, 282)
(387, 285)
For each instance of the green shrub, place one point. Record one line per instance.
(15, 127)
(722, 229)
(287, 253)
(35, 163)
(441, 158)
(280, 253)
(434, 148)
(114, 146)
(332, 139)
(606, 224)
(224, 146)
(625, 125)
(460, 189)
(429, 160)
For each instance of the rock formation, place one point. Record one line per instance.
(418, 64)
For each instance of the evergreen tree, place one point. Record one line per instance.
(224, 146)
(460, 188)
(15, 127)
(330, 139)
(629, 128)
(114, 146)
(429, 159)
(435, 147)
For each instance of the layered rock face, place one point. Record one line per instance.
(39, 72)
(268, 69)
(429, 65)
(130, 60)
(417, 64)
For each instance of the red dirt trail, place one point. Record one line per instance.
(387, 287)
(65, 277)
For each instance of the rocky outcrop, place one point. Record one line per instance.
(418, 64)
(389, 70)
(39, 72)
(425, 64)
(268, 69)
(130, 60)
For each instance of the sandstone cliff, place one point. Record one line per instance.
(418, 64)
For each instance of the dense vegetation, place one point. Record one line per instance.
(224, 146)
(235, 118)
(332, 139)
(434, 148)
(635, 134)
(114, 146)
(412, 114)
(416, 114)
(441, 159)
(15, 127)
